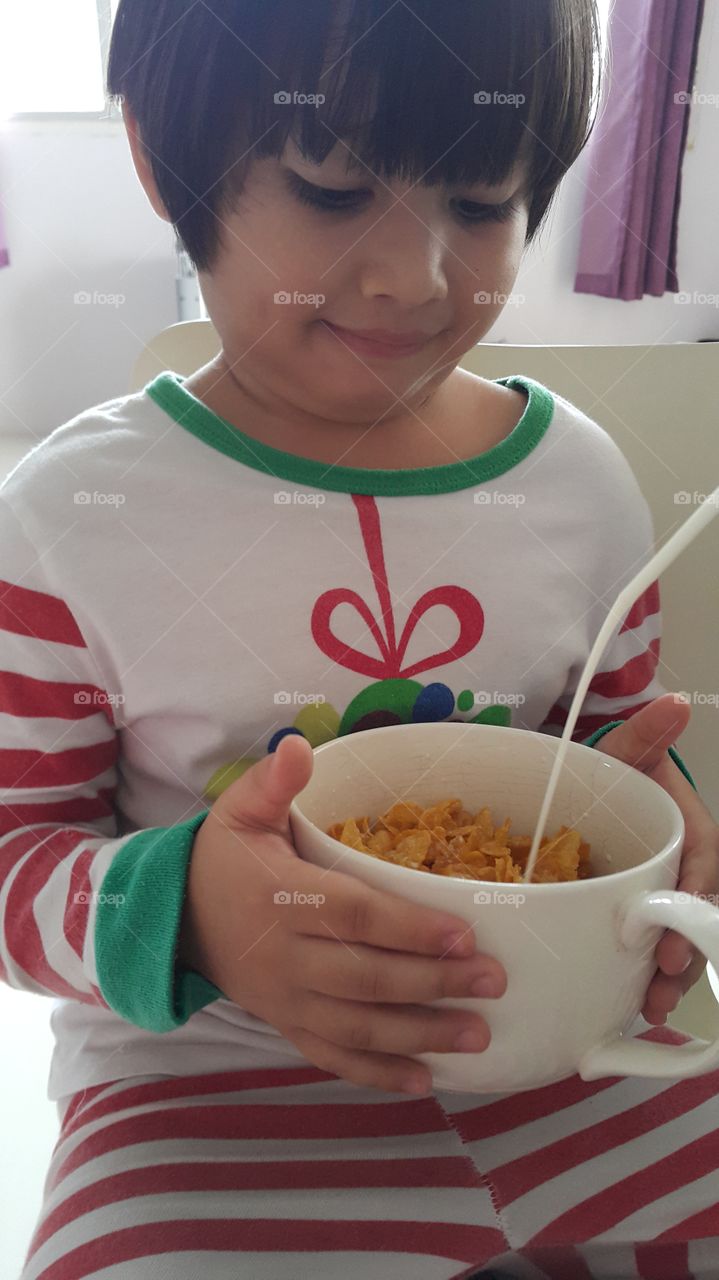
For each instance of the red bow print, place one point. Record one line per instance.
(388, 666)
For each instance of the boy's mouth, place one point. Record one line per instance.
(380, 342)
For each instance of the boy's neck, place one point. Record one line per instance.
(464, 416)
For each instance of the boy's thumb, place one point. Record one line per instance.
(262, 796)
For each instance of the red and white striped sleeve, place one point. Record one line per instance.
(58, 755)
(627, 679)
(74, 918)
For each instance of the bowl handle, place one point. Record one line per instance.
(699, 922)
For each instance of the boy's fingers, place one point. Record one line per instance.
(666, 990)
(643, 740)
(700, 869)
(699, 876)
(261, 798)
(355, 912)
(365, 974)
(385, 1071)
(663, 996)
(674, 953)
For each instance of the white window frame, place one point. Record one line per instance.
(111, 114)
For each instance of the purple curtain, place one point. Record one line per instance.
(630, 224)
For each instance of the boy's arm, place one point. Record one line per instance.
(622, 542)
(625, 682)
(84, 914)
(626, 679)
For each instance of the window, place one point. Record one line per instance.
(53, 55)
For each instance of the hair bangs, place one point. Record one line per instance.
(455, 93)
(407, 96)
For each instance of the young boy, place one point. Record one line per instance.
(332, 508)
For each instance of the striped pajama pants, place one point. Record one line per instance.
(290, 1173)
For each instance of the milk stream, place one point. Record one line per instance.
(672, 548)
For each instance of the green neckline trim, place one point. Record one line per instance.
(169, 393)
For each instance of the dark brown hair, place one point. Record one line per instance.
(437, 91)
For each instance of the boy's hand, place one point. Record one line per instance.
(350, 980)
(642, 741)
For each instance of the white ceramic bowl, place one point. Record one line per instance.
(579, 956)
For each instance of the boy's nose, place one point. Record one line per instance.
(404, 260)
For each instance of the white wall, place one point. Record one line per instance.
(30, 1123)
(79, 221)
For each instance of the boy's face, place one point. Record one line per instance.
(403, 259)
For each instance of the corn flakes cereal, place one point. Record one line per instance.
(445, 839)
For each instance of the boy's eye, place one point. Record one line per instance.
(331, 201)
(488, 212)
(325, 197)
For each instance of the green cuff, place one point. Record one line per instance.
(594, 739)
(136, 930)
